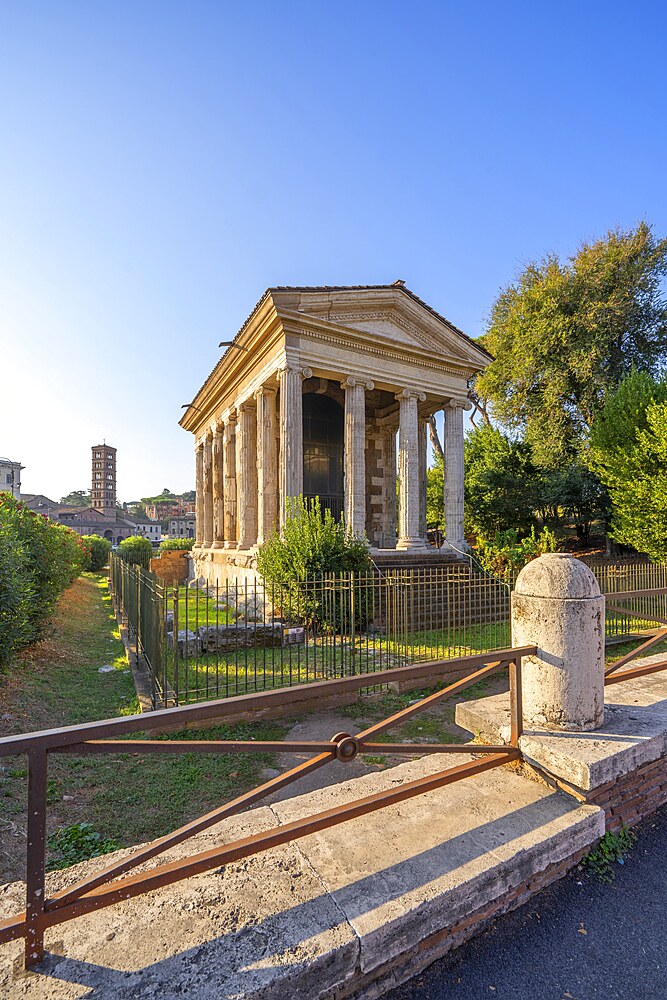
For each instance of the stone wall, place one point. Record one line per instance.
(171, 567)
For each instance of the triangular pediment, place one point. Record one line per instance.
(391, 315)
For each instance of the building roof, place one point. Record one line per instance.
(396, 286)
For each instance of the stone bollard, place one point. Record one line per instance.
(557, 606)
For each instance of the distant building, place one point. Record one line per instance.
(182, 526)
(103, 475)
(163, 509)
(10, 477)
(152, 530)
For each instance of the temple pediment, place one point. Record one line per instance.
(390, 314)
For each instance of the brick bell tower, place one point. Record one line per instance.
(103, 479)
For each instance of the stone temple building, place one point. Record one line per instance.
(326, 391)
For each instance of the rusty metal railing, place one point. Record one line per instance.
(651, 610)
(112, 883)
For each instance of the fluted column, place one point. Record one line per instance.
(229, 476)
(246, 475)
(408, 469)
(355, 453)
(423, 446)
(267, 464)
(218, 488)
(389, 488)
(208, 490)
(454, 473)
(199, 494)
(291, 434)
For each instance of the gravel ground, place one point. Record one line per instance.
(579, 939)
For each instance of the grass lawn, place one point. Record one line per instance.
(124, 797)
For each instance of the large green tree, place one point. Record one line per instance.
(502, 484)
(565, 334)
(628, 451)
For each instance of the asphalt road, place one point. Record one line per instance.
(540, 952)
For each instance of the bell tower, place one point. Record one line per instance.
(103, 488)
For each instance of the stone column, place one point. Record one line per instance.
(246, 475)
(208, 490)
(389, 488)
(557, 606)
(267, 464)
(355, 453)
(229, 469)
(408, 470)
(291, 434)
(218, 488)
(454, 473)
(199, 494)
(423, 446)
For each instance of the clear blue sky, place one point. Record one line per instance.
(163, 163)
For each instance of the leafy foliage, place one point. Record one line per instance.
(99, 552)
(507, 554)
(628, 451)
(177, 545)
(311, 544)
(565, 334)
(38, 561)
(77, 498)
(613, 847)
(135, 549)
(502, 484)
(71, 844)
(435, 496)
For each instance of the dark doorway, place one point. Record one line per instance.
(323, 439)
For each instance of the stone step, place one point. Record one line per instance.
(352, 910)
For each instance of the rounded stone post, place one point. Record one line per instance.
(557, 606)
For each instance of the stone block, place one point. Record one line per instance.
(220, 638)
(189, 643)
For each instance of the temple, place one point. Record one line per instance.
(327, 391)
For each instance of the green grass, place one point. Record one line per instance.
(126, 798)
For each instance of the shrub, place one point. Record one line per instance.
(136, 549)
(39, 559)
(99, 552)
(507, 554)
(177, 545)
(313, 545)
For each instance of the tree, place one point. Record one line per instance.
(575, 492)
(502, 484)
(628, 451)
(565, 334)
(435, 494)
(77, 498)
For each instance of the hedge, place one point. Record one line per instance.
(39, 559)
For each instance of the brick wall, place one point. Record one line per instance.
(633, 796)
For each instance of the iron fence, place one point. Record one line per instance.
(234, 638)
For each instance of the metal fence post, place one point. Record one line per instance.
(35, 868)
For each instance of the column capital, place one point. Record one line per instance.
(219, 426)
(357, 380)
(209, 434)
(458, 404)
(265, 390)
(410, 394)
(247, 404)
(304, 372)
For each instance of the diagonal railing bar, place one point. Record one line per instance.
(175, 871)
(629, 675)
(112, 883)
(419, 706)
(195, 826)
(633, 654)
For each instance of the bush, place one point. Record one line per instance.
(507, 554)
(99, 552)
(177, 545)
(69, 845)
(39, 559)
(313, 545)
(136, 549)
